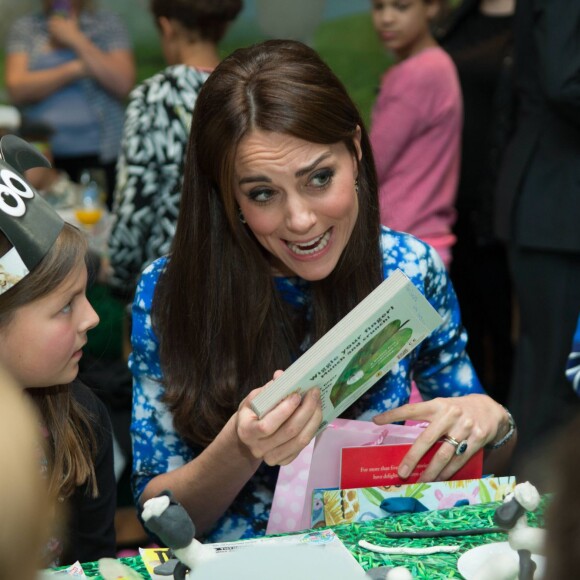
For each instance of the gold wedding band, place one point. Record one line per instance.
(460, 446)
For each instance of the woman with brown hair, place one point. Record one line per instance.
(278, 238)
(44, 320)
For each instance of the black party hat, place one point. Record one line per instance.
(26, 219)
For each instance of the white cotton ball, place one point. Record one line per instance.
(399, 573)
(154, 507)
(527, 496)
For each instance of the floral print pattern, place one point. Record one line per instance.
(439, 366)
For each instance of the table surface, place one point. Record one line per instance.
(431, 567)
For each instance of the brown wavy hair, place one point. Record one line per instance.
(222, 326)
(71, 443)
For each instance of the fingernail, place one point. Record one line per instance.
(404, 471)
(315, 394)
(296, 398)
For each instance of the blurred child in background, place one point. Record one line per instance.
(157, 121)
(70, 65)
(416, 125)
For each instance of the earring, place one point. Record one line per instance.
(356, 185)
(241, 215)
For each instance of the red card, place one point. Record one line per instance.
(377, 465)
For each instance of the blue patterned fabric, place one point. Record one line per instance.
(439, 366)
(573, 363)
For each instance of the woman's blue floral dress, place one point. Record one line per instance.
(439, 366)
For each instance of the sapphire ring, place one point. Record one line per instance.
(460, 446)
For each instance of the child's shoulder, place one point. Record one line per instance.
(87, 398)
(429, 66)
(425, 82)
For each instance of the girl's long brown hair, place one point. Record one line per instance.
(223, 328)
(71, 443)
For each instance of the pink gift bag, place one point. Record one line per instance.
(318, 466)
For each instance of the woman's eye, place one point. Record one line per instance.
(261, 195)
(322, 178)
(67, 309)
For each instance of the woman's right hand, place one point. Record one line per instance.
(280, 435)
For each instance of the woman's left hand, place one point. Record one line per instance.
(477, 419)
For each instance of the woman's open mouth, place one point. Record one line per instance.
(312, 246)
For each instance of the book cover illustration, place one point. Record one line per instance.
(351, 357)
(332, 506)
(371, 359)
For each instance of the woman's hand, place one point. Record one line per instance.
(65, 31)
(477, 419)
(279, 436)
(114, 70)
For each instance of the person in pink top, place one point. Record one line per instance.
(416, 125)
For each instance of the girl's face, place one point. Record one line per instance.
(403, 25)
(42, 344)
(299, 200)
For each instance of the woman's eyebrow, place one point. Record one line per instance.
(313, 165)
(299, 173)
(254, 178)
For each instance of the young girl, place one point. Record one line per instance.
(416, 125)
(44, 320)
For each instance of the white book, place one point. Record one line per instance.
(316, 554)
(360, 349)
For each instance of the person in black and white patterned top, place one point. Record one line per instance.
(155, 135)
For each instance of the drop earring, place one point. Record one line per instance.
(356, 185)
(241, 215)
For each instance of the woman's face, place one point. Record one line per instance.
(41, 345)
(299, 200)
